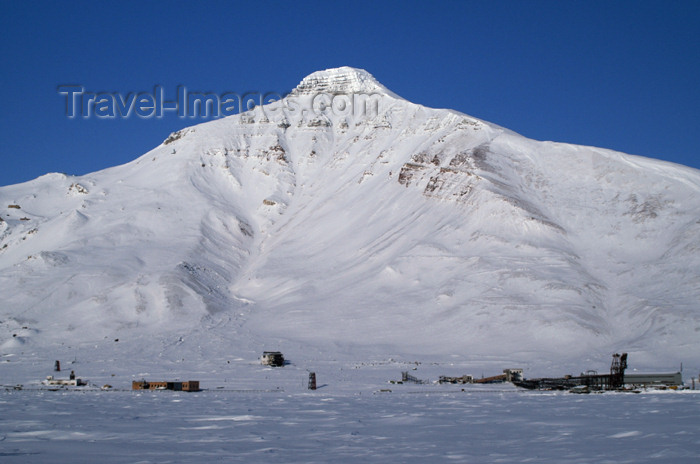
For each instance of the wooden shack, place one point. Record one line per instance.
(188, 386)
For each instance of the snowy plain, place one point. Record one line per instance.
(426, 424)
(251, 413)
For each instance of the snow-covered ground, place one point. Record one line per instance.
(408, 424)
(247, 412)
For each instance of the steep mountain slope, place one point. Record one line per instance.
(346, 216)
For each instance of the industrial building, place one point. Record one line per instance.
(72, 382)
(509, 375)
(618, 379)
(650, 380)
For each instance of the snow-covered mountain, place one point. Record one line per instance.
(344, 217)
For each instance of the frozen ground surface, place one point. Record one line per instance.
(409, 424)
(257, 414)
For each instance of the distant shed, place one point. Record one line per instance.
(189, 386)
(272, 358)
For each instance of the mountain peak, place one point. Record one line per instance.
(395, 231)
(339, 81)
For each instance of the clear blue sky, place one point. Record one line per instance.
(620, 75)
